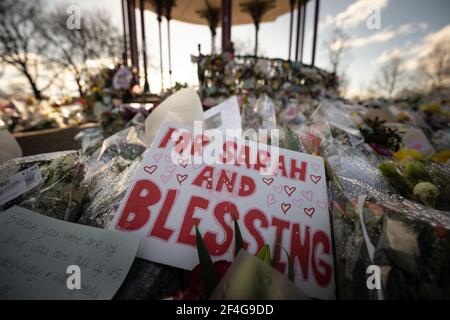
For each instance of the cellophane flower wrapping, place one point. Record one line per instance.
(411, 241)
(62, 193)
(110, 171)
(251, 278)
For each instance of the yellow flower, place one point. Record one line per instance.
(404, 155)
(96, 90)
(442, 156)
(434, 107)
(402, 116)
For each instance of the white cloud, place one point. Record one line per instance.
(413, 53)
(383, 36)
(430, 40)
(354, 14)
(388, 55)
(407, 50)
(426, 46)
(423, 26)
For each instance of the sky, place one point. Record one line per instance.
(407, 28)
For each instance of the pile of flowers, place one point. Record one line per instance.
(31, 115)
(221, 76)
(388, 199)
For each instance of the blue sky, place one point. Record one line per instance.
(408, 28)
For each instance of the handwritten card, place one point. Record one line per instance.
(36, 251)
(170, 196)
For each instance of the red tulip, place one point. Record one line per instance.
(195, 281)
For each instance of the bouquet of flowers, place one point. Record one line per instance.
(62, 194)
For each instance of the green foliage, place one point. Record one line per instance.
(209, 274)
(238, 242)
(375, 131)
(291, 140)
(264, 254)
(423, 181)
(290, 266)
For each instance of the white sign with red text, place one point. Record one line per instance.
(170, 196)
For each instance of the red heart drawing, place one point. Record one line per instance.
(322, 204)
(289, 190)
(417, 146)
(150, 169)
(268, 181)
(285, 207)
(183, 162)
(315, 166)
(270, 199)
(298, 202)
(165, 178)
(307, 194)
(314, 178)
(181, 178)
(309, 211)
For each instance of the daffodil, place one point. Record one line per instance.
(433, 107)
(442, 156)
(404, 155)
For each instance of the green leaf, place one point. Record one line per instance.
(290, 266)
(209, 274)
(291, 140)
(238, 242)
(264, 254)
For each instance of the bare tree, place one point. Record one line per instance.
(96, 39)
(344, 83)
(435, 67)
(338, 46)
(390, 76)
(21, 44)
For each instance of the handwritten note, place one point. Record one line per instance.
(35, 252)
